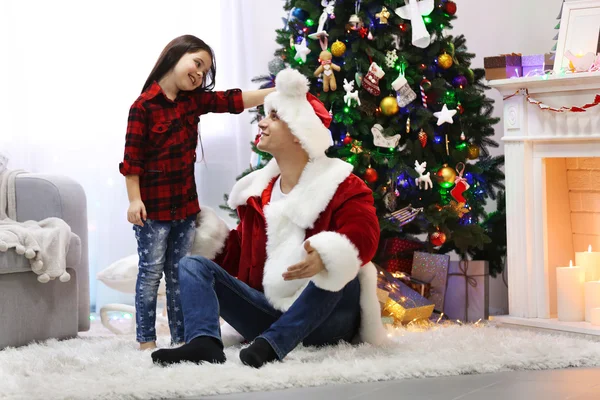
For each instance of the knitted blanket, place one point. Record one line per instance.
(45, 243)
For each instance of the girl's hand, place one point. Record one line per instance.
(136, 214)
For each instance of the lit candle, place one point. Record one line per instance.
(592, 298)
(590, 261)
(570, 297)
(595, 316)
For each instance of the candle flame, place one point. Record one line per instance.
(590, 248)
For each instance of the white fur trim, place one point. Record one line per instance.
(229, 336)
(340, 257)
(211, 234)
(371, 326)
(308, 199)
(291, 105)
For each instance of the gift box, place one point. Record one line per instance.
(419, 286)
(537, 64)
(398, 301)
(396, 255)
(503, 66)
(499, 294)
(467, 292)
(432, 269)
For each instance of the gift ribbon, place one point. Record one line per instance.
(543, 106)
(460, 168)
(463, 266)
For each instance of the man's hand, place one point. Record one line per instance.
(311, 265)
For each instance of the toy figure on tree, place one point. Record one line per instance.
(412, 118)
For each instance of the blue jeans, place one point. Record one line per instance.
(161, 246)
(318, 317)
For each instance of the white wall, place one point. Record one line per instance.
(71, 69)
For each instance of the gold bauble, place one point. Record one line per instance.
(446, 175)
(389, 106)
(445, 61)
(338, 48)
(473, 152)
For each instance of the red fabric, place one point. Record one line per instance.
(160, 147)
(350, 212)
(320, 109)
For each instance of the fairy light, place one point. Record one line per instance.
(440, 318)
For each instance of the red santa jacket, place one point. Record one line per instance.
(330, 207)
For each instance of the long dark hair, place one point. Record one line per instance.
(171, 54)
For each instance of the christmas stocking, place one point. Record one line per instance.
(461, 186)
(371, 80)
(405, 94)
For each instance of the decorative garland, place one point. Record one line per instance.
(543, 106)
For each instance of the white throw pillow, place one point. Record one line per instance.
(122, 275)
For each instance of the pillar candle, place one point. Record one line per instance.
(570, 297)
(590, 262)
(592, 298)
(595, 316)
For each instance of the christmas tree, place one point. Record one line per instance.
(408, 112)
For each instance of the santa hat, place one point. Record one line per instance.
(306, 116)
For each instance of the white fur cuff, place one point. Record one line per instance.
(340, 257)
(211, 234)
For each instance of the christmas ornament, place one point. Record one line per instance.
(444, 116)
(423, 138)
(450, 7)
(328, 6)
(460, 185)
(460, 108)
(460, 82)
(371, 175)
(358, 77)
(424, 84)
(370, 35)
(363, 32)
(355, 23)
(326, 68)
(300, 14)
(445, 61)
(446, 176)
(390, 58)
(383, 16)
(356, 147)
(389, 200)
(462, 136)
(389, 106)
(276, 65)
(473, 152)
(415, 10)
(347, 140)
(424, 180)
(437, 238)
(403, 27)
(404, 93)
(351, 94)
(408, 124)
(371, 80)
(338, 48)
(384, 141)
(405, 215)
(459, 208)
(470, 75)
(301, 51)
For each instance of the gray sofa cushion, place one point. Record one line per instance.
(11, 262)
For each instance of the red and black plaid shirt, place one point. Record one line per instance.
(160, 147)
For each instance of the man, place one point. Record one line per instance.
(289, 273)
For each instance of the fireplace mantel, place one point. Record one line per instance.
(530, 136)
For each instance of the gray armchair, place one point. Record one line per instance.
(33, 311)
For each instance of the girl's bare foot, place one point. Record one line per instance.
(147, 346)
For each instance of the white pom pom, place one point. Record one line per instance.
(29, 254)
(37, 265)
(3, 246)
(20, 249)
(43, 278)
(65, 277)
(290, 82)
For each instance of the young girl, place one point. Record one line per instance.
(160, 151)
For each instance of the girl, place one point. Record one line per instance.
(160, 151)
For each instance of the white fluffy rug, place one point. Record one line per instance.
(112, 368)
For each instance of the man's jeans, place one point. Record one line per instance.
(318, 317)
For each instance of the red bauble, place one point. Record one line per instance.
(371, 175)
(422, 67)
(403, 27)
(450, 7)
(347, 140)
(460, 108)
(437, 238)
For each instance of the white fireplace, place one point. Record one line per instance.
(552, 191)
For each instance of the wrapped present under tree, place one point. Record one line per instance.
(432, 269)
(396, 254)
(467, 293)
